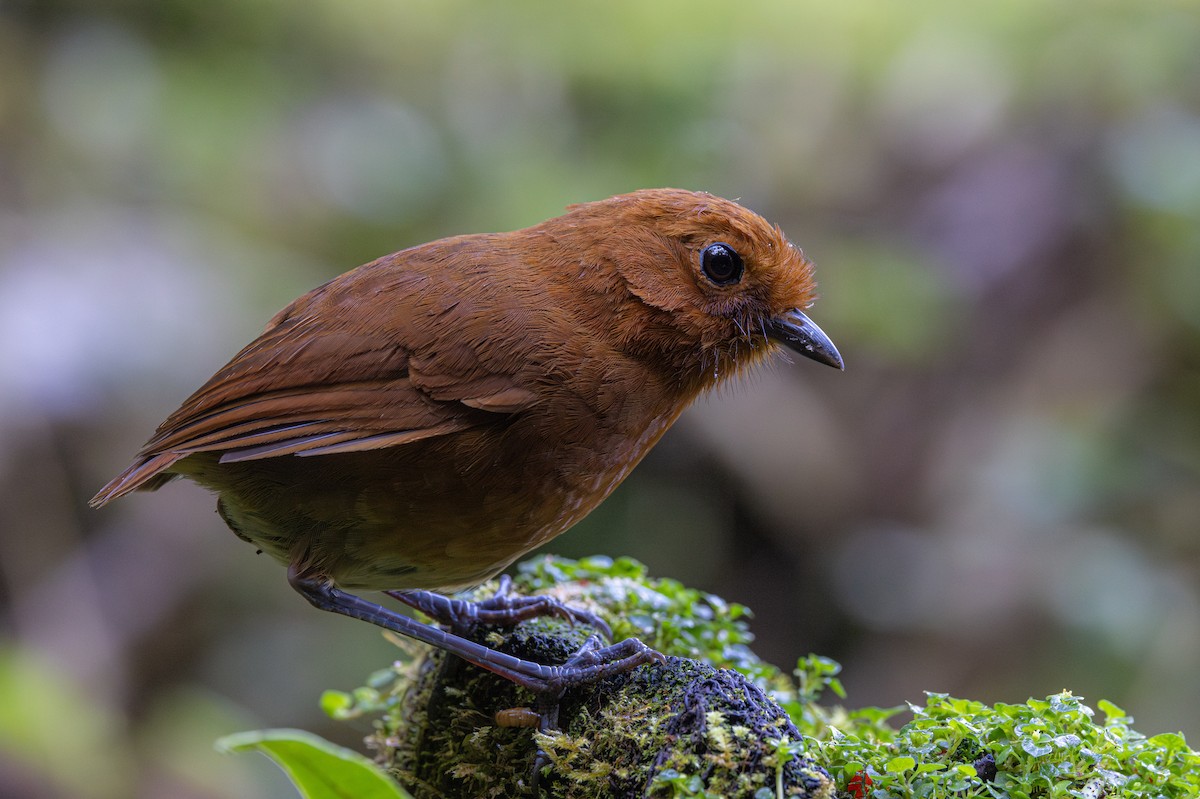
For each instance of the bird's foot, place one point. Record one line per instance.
(593, 661)
(504, 608)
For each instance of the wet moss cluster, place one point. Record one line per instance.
(680, 728)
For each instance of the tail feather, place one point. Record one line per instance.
(145, 474)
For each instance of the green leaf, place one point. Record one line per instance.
(1170, 742)
(1032, 746)
(899, 765)
(1111, 711)
(318, 769)
(337, 704)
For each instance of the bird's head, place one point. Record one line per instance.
(717, 281)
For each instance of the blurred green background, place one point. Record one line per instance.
(999, 498)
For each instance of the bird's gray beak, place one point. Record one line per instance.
(801, 335)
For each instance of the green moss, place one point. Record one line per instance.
(689, 722)
(663, 613)
(652, 732)
(690, 727)
(717, 721)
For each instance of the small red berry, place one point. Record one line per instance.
(859, 785)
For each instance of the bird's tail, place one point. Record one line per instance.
(145, 474)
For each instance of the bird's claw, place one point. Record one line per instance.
(503, 608)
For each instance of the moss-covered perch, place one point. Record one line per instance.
(660, 730)
(716, 721)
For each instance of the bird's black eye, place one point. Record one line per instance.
(721, 264)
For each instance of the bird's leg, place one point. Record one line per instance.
(547, 722)
(503, 608)
(548, 705)
(549, 683)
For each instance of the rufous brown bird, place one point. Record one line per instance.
(419, 422)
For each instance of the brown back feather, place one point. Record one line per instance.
(323, 379)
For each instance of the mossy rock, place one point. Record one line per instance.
(680, 728)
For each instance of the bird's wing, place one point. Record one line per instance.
(319, 381)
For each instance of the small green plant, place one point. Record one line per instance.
(960, 748)
(663, 613)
